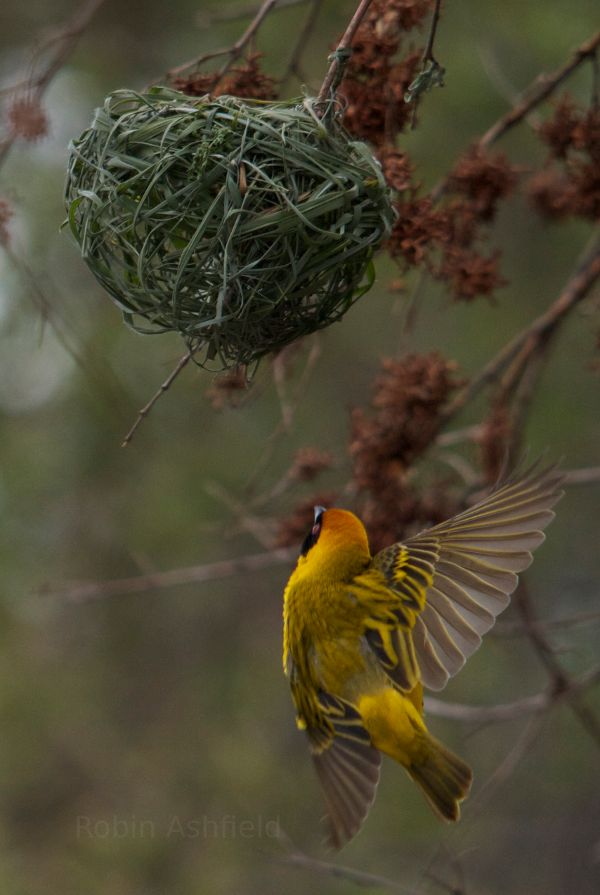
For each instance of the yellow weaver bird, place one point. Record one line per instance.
(364, 634)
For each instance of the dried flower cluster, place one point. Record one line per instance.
(569, 183)
(446, 237)
(27, 119)
(400, 425)
(247, 81)
(228, 389)
(376, 79)
(308, 463)
(403, 419)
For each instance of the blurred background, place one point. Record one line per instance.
(148, 740)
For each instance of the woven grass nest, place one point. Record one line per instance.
(241, 225)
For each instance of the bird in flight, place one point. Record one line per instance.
(363, 635)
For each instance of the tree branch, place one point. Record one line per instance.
(541, 88)
(561, 682)
(540, 702)
(65, 40)
(83, 592)
(342, 53)
(527, 341)
(233, 52)
(143, 413)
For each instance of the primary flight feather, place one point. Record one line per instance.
(364, 634)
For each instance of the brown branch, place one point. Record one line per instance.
(100, 375)
(83, 592)
(541, 88)
(233, 52)
(428, 52)
(90, 590)
(254, 525)
(523, 744)
(339, 871)
(281, 429)
(293, 67)
(543, 327)
(513, 628)
(143, 413)
(540, 702)
(340, 57)
(561, 682)
(224, 14)
(65, 39)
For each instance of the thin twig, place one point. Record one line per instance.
(428, 52)
(523, 744)
(431, 73)
(65, 39)
(82, 591)
(85, 591)
(98, 372)
(583, 476)
(280, 429)
(341, 55)
(293, 67)
(578, 286)
(183, 361)
(254, 525)
(504, 86)
(529, 705)
(340, 871)
(541, 88)
(561, 682)
(513, 628)
(233, 52)
(208, 18)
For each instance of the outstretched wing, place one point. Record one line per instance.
(446, 585)
(346, 763)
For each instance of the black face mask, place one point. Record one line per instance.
(313, 536)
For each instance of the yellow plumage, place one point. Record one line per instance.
(363, 634)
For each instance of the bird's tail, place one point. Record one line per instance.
(444, 778)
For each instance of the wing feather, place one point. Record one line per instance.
(449, 583)
(346, 763)
(349, 774)
(348, 769)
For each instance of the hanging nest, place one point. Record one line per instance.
(241, 225)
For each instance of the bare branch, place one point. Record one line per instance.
(543, 86)
(293, 67)
(250, 523)
(183, 361)
(233, 52)
(540, 702)
(340, 871)
(83, 592)
(561, 682)
(206, 19)
(64, 40)
(542, 328)
(341, 55)
(510, 628)
(539, 90)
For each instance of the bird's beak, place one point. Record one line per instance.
(318, 513)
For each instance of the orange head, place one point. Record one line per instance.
(337, 543)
